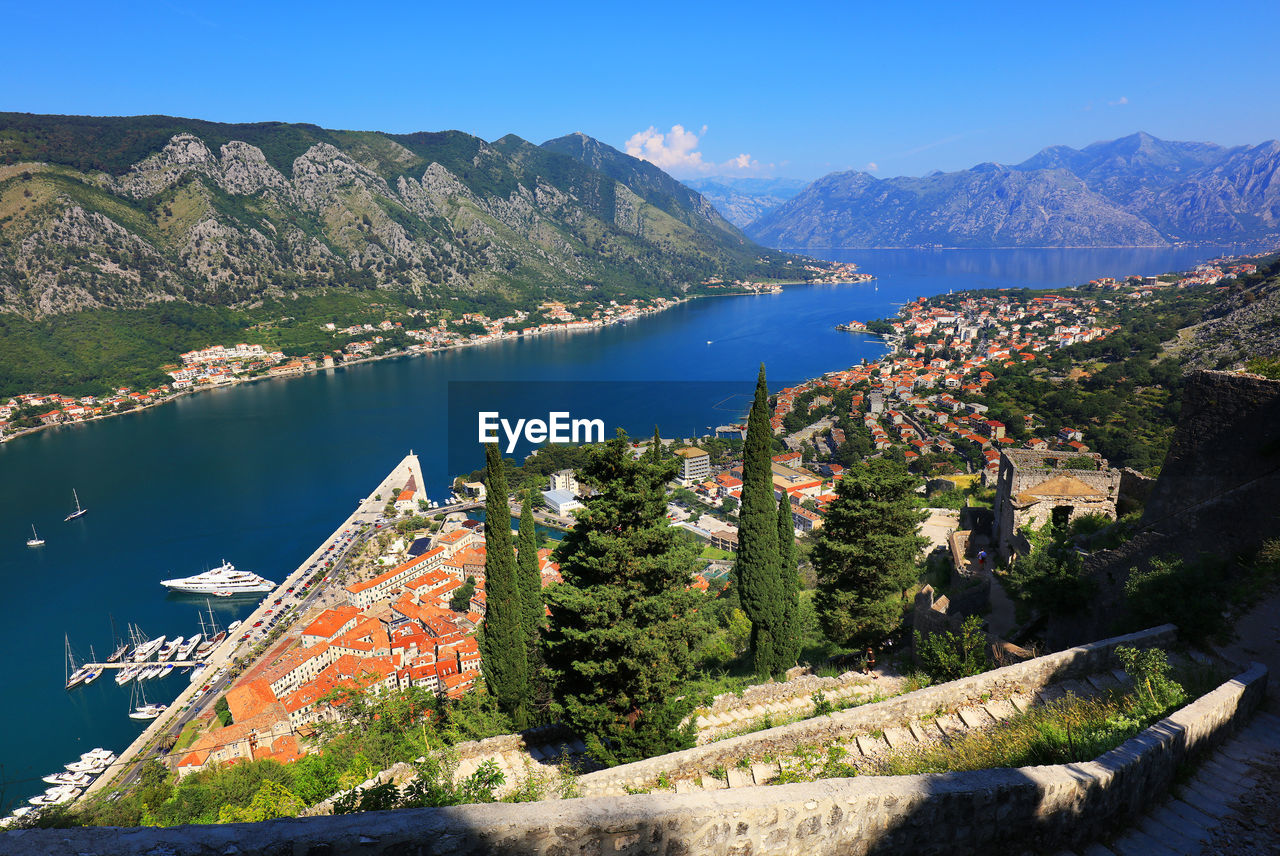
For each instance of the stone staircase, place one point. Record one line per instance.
(764, 764)
(731, 713)
(1196, 811)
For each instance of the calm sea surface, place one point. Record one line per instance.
(260, 473)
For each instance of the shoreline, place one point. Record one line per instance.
(27, 432)
(193, 699)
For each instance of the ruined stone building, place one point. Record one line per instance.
(1035, 487)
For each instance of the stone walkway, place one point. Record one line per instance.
(1230, 806)
(861, 751)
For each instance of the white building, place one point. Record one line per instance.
(561, 502)
(695, 465)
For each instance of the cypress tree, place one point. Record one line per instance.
(656, 449)
(623, 623)
(788, 560)
(757, 571)
(504, 658)
(530, 578)
(865, 553)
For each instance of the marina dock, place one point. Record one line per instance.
(193, 698)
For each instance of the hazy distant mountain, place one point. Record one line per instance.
(743, 200)
(1135, 191)
(121, 212)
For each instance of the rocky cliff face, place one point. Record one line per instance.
(120, 212)
(745, 200)
(1136, 191)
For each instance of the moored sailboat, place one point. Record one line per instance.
(35, 540)
(79, 510)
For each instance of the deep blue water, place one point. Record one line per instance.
(260, 473)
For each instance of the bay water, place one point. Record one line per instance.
(260, 473)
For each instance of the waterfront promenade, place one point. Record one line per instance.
(193, 699)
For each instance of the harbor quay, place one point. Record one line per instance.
(193, 700)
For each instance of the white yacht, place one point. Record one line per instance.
(56, 795)
(128, 673)
(188, 648)
(35, 540)
(168, 648)
(75, 780)
(148, 711)
(222, 581)
(146, 649)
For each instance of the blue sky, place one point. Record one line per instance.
(793, 90)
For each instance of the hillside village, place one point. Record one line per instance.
(225, 365)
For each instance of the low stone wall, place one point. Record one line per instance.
(989, 812)
(999, 683)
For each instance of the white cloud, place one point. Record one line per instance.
(872, 166)
(677, 152)
(1118, 102)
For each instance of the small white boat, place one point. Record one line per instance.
(93, 675)
(128, 673)
(198, 673)
(94, 767)
(35, 540)
(79, 511)
(75, 780)
(148, 711)
(78, 676)
(155, 670)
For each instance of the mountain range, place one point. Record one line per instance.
(1134, 191)
(744, 200)
(121, 212)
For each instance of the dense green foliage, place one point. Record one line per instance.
(460, 600)
(788, 558)
(1048, 579)
(757, 573)
(504, 644)
(624, 622)
(950, 655)
(865, 553)
(530, 579)
(1191, 594)
(377, 731)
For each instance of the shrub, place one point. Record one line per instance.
(950, 656)
(1191, 595)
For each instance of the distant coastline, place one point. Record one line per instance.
(763, 288)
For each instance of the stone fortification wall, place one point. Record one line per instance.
(1018, 678)
(989, 812)
(1218, 492)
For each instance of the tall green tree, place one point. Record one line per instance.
(530, 578)
(865, 553)
(758, 569)
(623, 622)
(655, 450)
(505, 641)
(788, 561)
